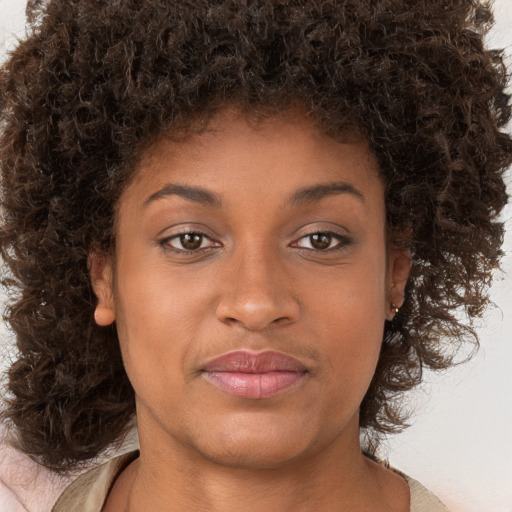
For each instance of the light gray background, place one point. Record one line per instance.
(460, 443)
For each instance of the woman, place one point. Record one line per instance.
(250, 226)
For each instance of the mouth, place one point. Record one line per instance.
(254, 375)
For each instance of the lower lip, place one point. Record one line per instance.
(255, 385)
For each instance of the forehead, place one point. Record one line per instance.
(270, 156)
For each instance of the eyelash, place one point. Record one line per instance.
(343, 240)
(164, 243)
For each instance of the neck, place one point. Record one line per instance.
(172, 477)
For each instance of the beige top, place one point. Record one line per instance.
(89, 491)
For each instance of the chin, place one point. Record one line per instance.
(254, 457)
(265, 448)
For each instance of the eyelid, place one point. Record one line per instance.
(164, 242)
(343, 239)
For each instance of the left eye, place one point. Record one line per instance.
(321, 241)
(191, 241)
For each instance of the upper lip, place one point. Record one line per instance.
(245, 361)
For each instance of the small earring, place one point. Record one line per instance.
(395, 309)
(104, 316)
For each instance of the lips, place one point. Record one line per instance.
(254, 375)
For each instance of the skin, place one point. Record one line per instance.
(256, 283)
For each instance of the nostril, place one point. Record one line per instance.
(256, 322)
(256, 306)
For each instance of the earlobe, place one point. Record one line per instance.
(400, 263)
(101, 273)
(104, 316)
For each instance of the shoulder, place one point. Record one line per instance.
(422, 500)
(89, 491)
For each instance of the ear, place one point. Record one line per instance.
(399, 267)
(101, 274)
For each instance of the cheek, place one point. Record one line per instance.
(351, 310)
(158, 317)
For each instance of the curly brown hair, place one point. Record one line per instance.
(96, 81)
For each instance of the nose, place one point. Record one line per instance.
(257, 293)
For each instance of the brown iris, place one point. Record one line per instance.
(320, 240)
(191, 241)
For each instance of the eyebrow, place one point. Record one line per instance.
(303, 196)
(194, 194)
(308, 195)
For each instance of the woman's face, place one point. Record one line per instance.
(250, 287)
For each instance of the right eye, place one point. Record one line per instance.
(188, 242)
